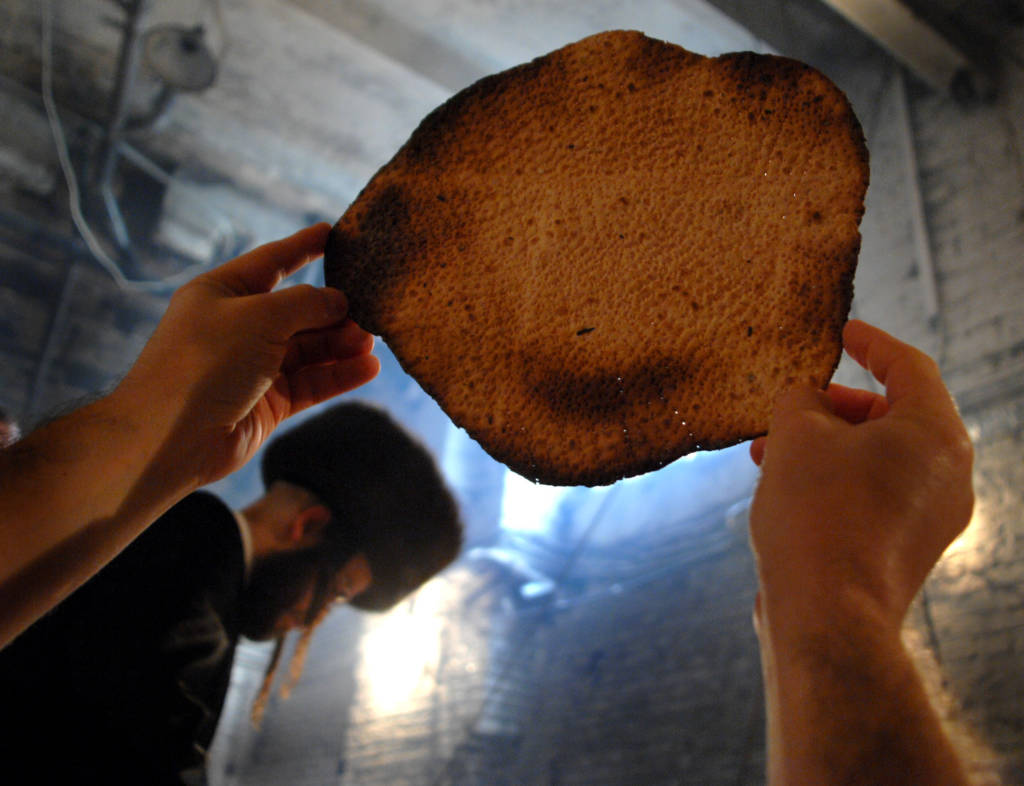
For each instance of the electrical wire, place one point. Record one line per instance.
(222, 29)
(74, 196)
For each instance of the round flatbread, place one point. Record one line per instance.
(616, 254)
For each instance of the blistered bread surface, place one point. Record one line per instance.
(616, 254)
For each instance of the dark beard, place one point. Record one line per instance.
(275, 584)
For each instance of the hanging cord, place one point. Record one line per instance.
(222, 29)
(74, 196)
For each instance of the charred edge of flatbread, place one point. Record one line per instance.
(364, 246)
(752, 73)
(557, 474)
(377, 223)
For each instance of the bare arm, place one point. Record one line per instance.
(228, 362)
(859, 496)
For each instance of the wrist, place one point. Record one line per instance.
(814, 609)
(845, 702)
(142, 423)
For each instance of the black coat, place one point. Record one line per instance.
(125, 680)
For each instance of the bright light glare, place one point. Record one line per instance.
(973, 550)
(399, 653)
(528, 506)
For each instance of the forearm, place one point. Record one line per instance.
(846, 705)
(74, 493)
(231, 358)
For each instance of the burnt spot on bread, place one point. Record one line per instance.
(375, 252)
(597, 396)
(846, 260)
(651, 61)
(480, 103)
(764, 79)
(746, 71)
(433, 136)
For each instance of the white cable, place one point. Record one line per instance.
(74, 198)
(222, 28)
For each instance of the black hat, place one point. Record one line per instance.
(387, 497)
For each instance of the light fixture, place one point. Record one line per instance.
(179, 57)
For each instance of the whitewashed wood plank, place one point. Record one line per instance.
(505, 32)
(973, 185)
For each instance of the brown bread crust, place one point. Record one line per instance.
(616, 254)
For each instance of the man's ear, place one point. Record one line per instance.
(355, 576)
(308, 526)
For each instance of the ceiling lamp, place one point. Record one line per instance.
(179, 57)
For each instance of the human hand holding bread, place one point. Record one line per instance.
(234, 355)
(863, 491)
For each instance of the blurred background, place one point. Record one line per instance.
(586, 636)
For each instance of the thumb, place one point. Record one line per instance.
(802, 399)
(795, 410)
(302, 307)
